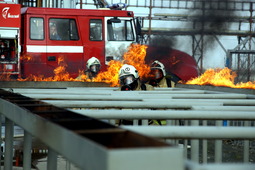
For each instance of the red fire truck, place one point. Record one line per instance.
(32, 40)
(28, 47)
(10, 38)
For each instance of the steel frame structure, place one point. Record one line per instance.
(242, 55)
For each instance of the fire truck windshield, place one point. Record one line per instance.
(120, 31)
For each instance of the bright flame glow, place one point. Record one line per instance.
(60, 74)
(220, 77)
(134, 56)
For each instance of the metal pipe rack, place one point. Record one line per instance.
(86, 142)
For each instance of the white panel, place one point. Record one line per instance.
(8, 33)
(54, 49)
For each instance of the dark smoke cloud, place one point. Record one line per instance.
(159, 47)
(212, 17)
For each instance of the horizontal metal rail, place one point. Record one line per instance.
(195, 116)
(194, 132)
(84, 141)
(168, 114)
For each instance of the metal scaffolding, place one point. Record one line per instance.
(204, 20)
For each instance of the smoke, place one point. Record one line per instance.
(212, 17)
(159, 47)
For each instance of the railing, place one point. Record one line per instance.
(210, 126)
(81, 140)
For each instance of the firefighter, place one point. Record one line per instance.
(53, 33)
(93, 67)
(158, 77)
(130, 81)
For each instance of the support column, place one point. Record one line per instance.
(52, 160)
(8, 153)
(27, 151)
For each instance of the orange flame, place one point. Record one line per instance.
(220, 77)
(26, 57)
(134, 56)
(60, 74)
(5, 77)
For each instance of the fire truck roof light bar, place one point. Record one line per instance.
(117, 6)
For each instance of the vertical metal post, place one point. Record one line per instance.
(218, 145)
(27, 151)
(52, 160)
(205, 145)
(8, 153)
(195, 144)
(185, 142)
(135, 122)
(68, 165)
(80, 4)
(145, 122)
(150, 9)
(112, 121)
(246, 146)
(170, 123)
(1, 118)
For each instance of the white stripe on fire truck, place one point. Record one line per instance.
(54, 49)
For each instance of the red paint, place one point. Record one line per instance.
(177, 62)
(10, 15)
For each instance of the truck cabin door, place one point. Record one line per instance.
(120, 34)
(92, 33)
(64, 45)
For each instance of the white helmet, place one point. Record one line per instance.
(158, 65)
(92, 61)
(126, 70)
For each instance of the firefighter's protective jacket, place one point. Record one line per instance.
(166, 83)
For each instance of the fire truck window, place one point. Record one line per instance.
(63, 29)
(129, 31)
(36, 29)
(120, 31)
(96, 30)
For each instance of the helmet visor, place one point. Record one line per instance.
(126, 80)
(95, 68)
(156, 73)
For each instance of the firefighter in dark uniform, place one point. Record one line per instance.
(158, 77)
(129, 79)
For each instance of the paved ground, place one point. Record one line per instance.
(62, 164)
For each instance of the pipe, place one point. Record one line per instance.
(153, 104)
(194, 132)
(168, 114)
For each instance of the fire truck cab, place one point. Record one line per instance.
(76, 35)
(47, 34)
(9, 38)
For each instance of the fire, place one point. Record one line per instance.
(111, 75)
(134, 56)
(26, 57)
(5, 77)
(60, 74)
(220, 77)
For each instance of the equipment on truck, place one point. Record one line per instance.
(9, 38)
